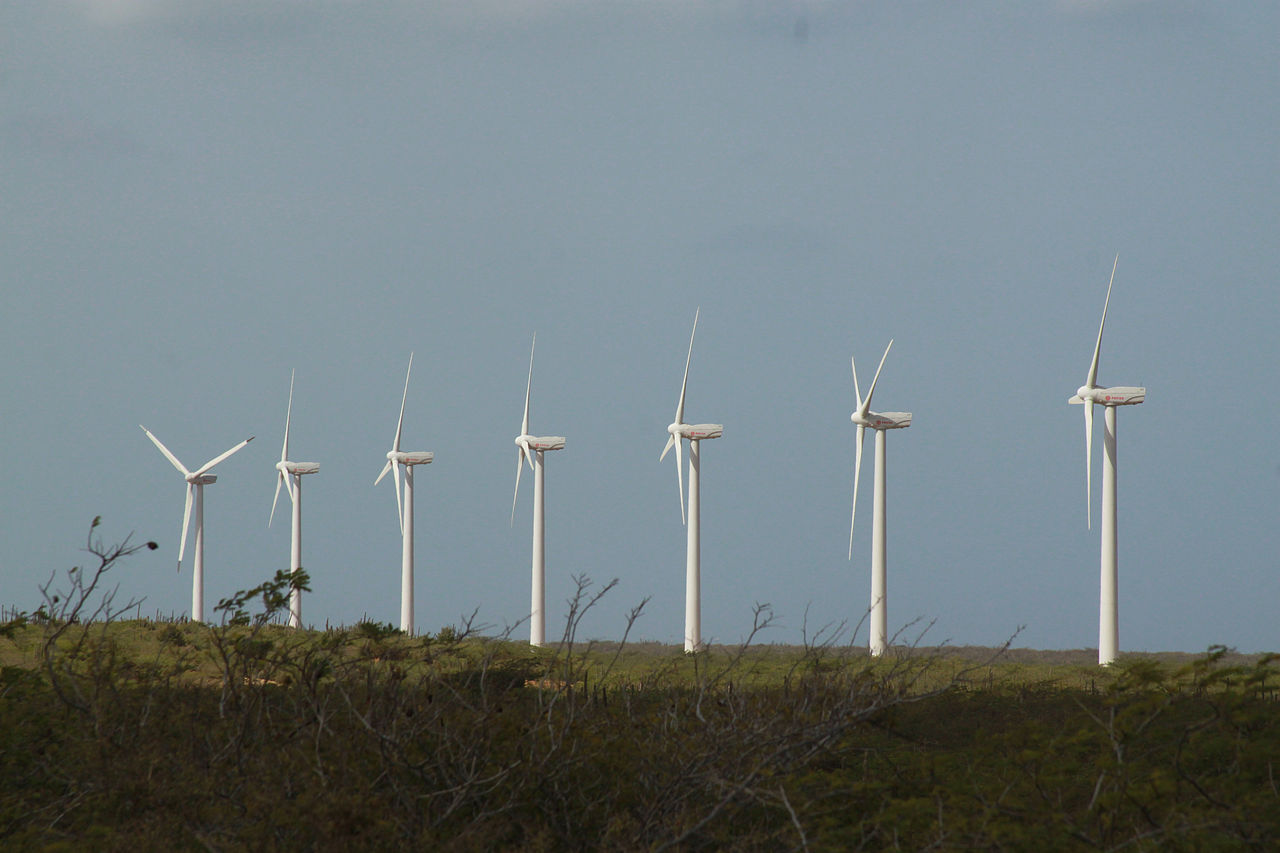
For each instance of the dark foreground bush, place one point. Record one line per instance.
(336, 740)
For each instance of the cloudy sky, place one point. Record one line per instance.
(197, 197)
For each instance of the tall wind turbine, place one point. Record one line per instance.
(196, 481)
(289, 475)
(395, 458)
(529, 448)
(1090, 394)
(680, 431)
(881, 422)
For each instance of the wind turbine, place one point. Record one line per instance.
(881, 422)
(680, 431)
(529, 448)
(1090, 394)
(289, 475)
(196, 481)
(395, 458)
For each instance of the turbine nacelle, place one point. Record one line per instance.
(287, 467)
(1117, 395)
(530, 444)
(699, 432)
(882, 420)
(402, 457)
(534, 443)
(201, 479)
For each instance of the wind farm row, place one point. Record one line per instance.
(531, 450)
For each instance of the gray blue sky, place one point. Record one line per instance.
(197, 197)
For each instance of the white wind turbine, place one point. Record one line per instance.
(679, 431)
(530, 449)
(1090, 394)
(395, 458)
(881, 422)
(196, 481)
(289, 475)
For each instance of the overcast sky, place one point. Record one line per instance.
(197, 197)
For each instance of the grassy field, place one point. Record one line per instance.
(243, 735)
(190, 652)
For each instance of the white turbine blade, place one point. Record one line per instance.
(520, 457)
(671, 439)
(279, 480)
(288, 414)
(287, 480)
(685, 383)
(395, 472)
(1092, 381)
(385, 470)
(528, 385)
(866, 404)
(857, 392)
(186, 522)
(680, 478)
(395, 445)
(167, 455)
(215, 460)
(857, 472)
(1088, 461)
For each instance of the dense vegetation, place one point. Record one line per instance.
(244, 735)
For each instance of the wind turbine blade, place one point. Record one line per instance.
(284, 451)
(215, 460)
(671, 439)
(1088, 461)
(685, 383)
(186, 522)
(1092, 381)
(395, 445)
(395, 472)
(680, 478)
(857, 472)
(853, 362)
(524, 423)
(385, 470)
(279, 481)
(866, 404)
(520, 457)
(167, 455)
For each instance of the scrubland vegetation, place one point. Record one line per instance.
(242, 734)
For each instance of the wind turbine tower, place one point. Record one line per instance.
(678, 432)
(881, 422)
(196, 481)
(289, 474)
(530, 449)
(395, 458)
(1090, 394)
